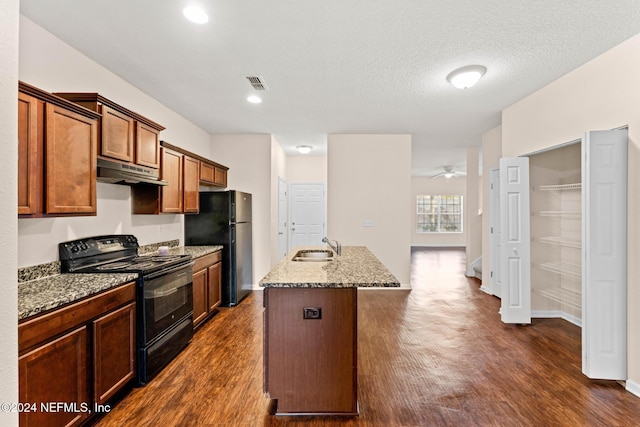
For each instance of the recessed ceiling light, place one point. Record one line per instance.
(304, 149)
(465, 77)
(195, 14)
(254, 99)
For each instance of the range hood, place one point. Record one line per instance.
(127, 174)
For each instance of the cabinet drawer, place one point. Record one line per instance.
(35, 330)
(207, 260)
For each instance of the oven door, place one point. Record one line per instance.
(167, 297)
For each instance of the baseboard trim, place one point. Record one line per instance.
(438, 246)
(556, 314)
(633, 387)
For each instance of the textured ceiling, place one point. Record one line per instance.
(342, 66)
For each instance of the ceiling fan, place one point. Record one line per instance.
(448, 172)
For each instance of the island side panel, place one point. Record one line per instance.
(312, 363)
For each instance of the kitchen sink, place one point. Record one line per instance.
(313, 255)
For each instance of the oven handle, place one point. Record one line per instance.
(169, 271)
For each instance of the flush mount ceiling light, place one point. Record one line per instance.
(465, 77)
(304, 149)
(254, 99)
(195, 14)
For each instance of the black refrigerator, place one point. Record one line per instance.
(225, 219)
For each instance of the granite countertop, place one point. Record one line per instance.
(37, 296)
(356, 267)
(56, 289)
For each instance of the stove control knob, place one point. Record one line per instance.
(75, 248)
(84, 246)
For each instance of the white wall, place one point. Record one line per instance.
(50, 64)
(421, 185)
(9, 16)
(307, 169)
(369, 177)
(602, 94)
(491, 153)
(249, 160)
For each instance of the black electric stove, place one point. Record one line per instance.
(164, 293)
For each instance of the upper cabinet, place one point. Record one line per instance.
(57, 152)
(184, 172)
(124, 135)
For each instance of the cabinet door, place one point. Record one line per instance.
(117, 135)
(114, 351)
(199, 296)
(147, 146)
(221, 177)
(30, 171)
(207, 173)
(214, 283)
(70, 162)
(191, 185)
(56, 372)
(172, 173)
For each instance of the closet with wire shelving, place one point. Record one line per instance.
(556, 233)
(562, 252)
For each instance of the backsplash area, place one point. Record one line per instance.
(35, 272)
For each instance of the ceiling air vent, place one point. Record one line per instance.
(257, 82)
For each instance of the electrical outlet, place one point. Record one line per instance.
(367, 223)
(312, 313)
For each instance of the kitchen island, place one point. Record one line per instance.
(310, 330)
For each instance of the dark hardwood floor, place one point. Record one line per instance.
(434, 356)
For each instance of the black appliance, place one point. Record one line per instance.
(164, 293)
(225, 219)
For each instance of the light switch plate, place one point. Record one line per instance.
(367, 223)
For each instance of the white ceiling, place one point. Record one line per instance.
(342, 66)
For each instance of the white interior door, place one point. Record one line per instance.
(515, 258)
(282, 218)
(604, 251)
(495, 282)
(307, 215)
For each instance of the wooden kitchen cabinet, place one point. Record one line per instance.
(213, 175)
(55, 372)
(117, 134)
(181, 195)
(57, 166)
(30, 152)
(171, 196)
(310, 351)
(147, 145)
(191, 185)
(66, 352)
(124, 135)
(207, 280)
(114, 349)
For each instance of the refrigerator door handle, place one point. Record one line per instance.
(233, 233)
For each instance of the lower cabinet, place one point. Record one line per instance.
(74, 359)
(114, 345)
(207, 279)
(55, 372)
(311, 349)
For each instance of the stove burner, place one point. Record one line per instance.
(114, 266)
(140, 263)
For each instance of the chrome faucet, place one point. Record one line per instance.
(337, 248)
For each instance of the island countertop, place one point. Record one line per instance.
(356, 267)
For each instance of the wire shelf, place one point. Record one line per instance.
(561, 214)
(563, 296)
(561, 241)
(562, 268)
(561, 187)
